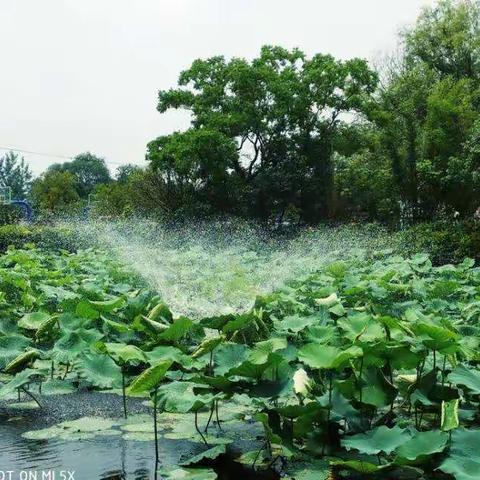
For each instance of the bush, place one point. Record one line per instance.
(51, 238)
(445, 241)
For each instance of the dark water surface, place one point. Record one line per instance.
(100, 458)
(93, 459)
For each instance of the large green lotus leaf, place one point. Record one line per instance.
(249, 370)
(150, 378)
(318, 356)
(57, 387)
(22, 360)
(320, 334)
(295, 323)
(208, 345)
(73, 343)
(262, 350)
(189, 474)
(19, 380)
(107, 306)
(228, 356)
(423, 444)
(84, 428)
(210, 454)
(123, 353)
(160, 312)
(326, 357)
(46, 327)
(59, 293)
(361, 327)
(99, 370)
(463, 461)
(85, 310)
(179, 397)
(238, 322)
(116, 327)
(402, 357)
(469, 377)
(375, 390)
(88, 424)
(70, 321)
(380, 439)
(358, 466)
(32, 321)
(11, 346)
(177, 330)
(341, 408)
(436, 337)
(164, 352)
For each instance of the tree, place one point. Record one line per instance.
(282, 111)
(16, 174)
(88, 171)
(55, 192)
(198, 161)
(124, 172)
(428, 108)
(447, 39)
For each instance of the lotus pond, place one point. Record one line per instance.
(364, 368)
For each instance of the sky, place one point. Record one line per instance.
(83, 75)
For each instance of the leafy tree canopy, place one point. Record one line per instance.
(275, 115)
(16, 174)
(88, 171)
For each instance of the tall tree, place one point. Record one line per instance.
(282, 111)
(88, 171)
(16, 174)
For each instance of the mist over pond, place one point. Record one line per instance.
(210, 268)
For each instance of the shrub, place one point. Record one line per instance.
(52, 238)
(446, 241)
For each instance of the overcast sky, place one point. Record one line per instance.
(82, 75)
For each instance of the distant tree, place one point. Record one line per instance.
(88, 171)
(16, 174)
(447, 39)
(124, 172)
(428, 109)
(55, 192)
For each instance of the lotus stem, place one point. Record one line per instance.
(31, 396)
(52, 370)
(330, 388)
(155, 430)
(210, 417)
(198, 430)
(258, 454)
(216, 415)
(124, 394)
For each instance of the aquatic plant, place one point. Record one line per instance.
(368, 365)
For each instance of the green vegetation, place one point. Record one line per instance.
(369, 366)
(285, 136)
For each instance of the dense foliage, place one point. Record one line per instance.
(15, 174)
(367, 367)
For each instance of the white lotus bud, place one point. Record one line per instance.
(301, 382)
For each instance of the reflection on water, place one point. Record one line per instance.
(112, 458)
(107, 458)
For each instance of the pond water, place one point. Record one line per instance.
(100, 458)
(92, 459)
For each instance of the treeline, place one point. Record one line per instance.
(286, 136)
